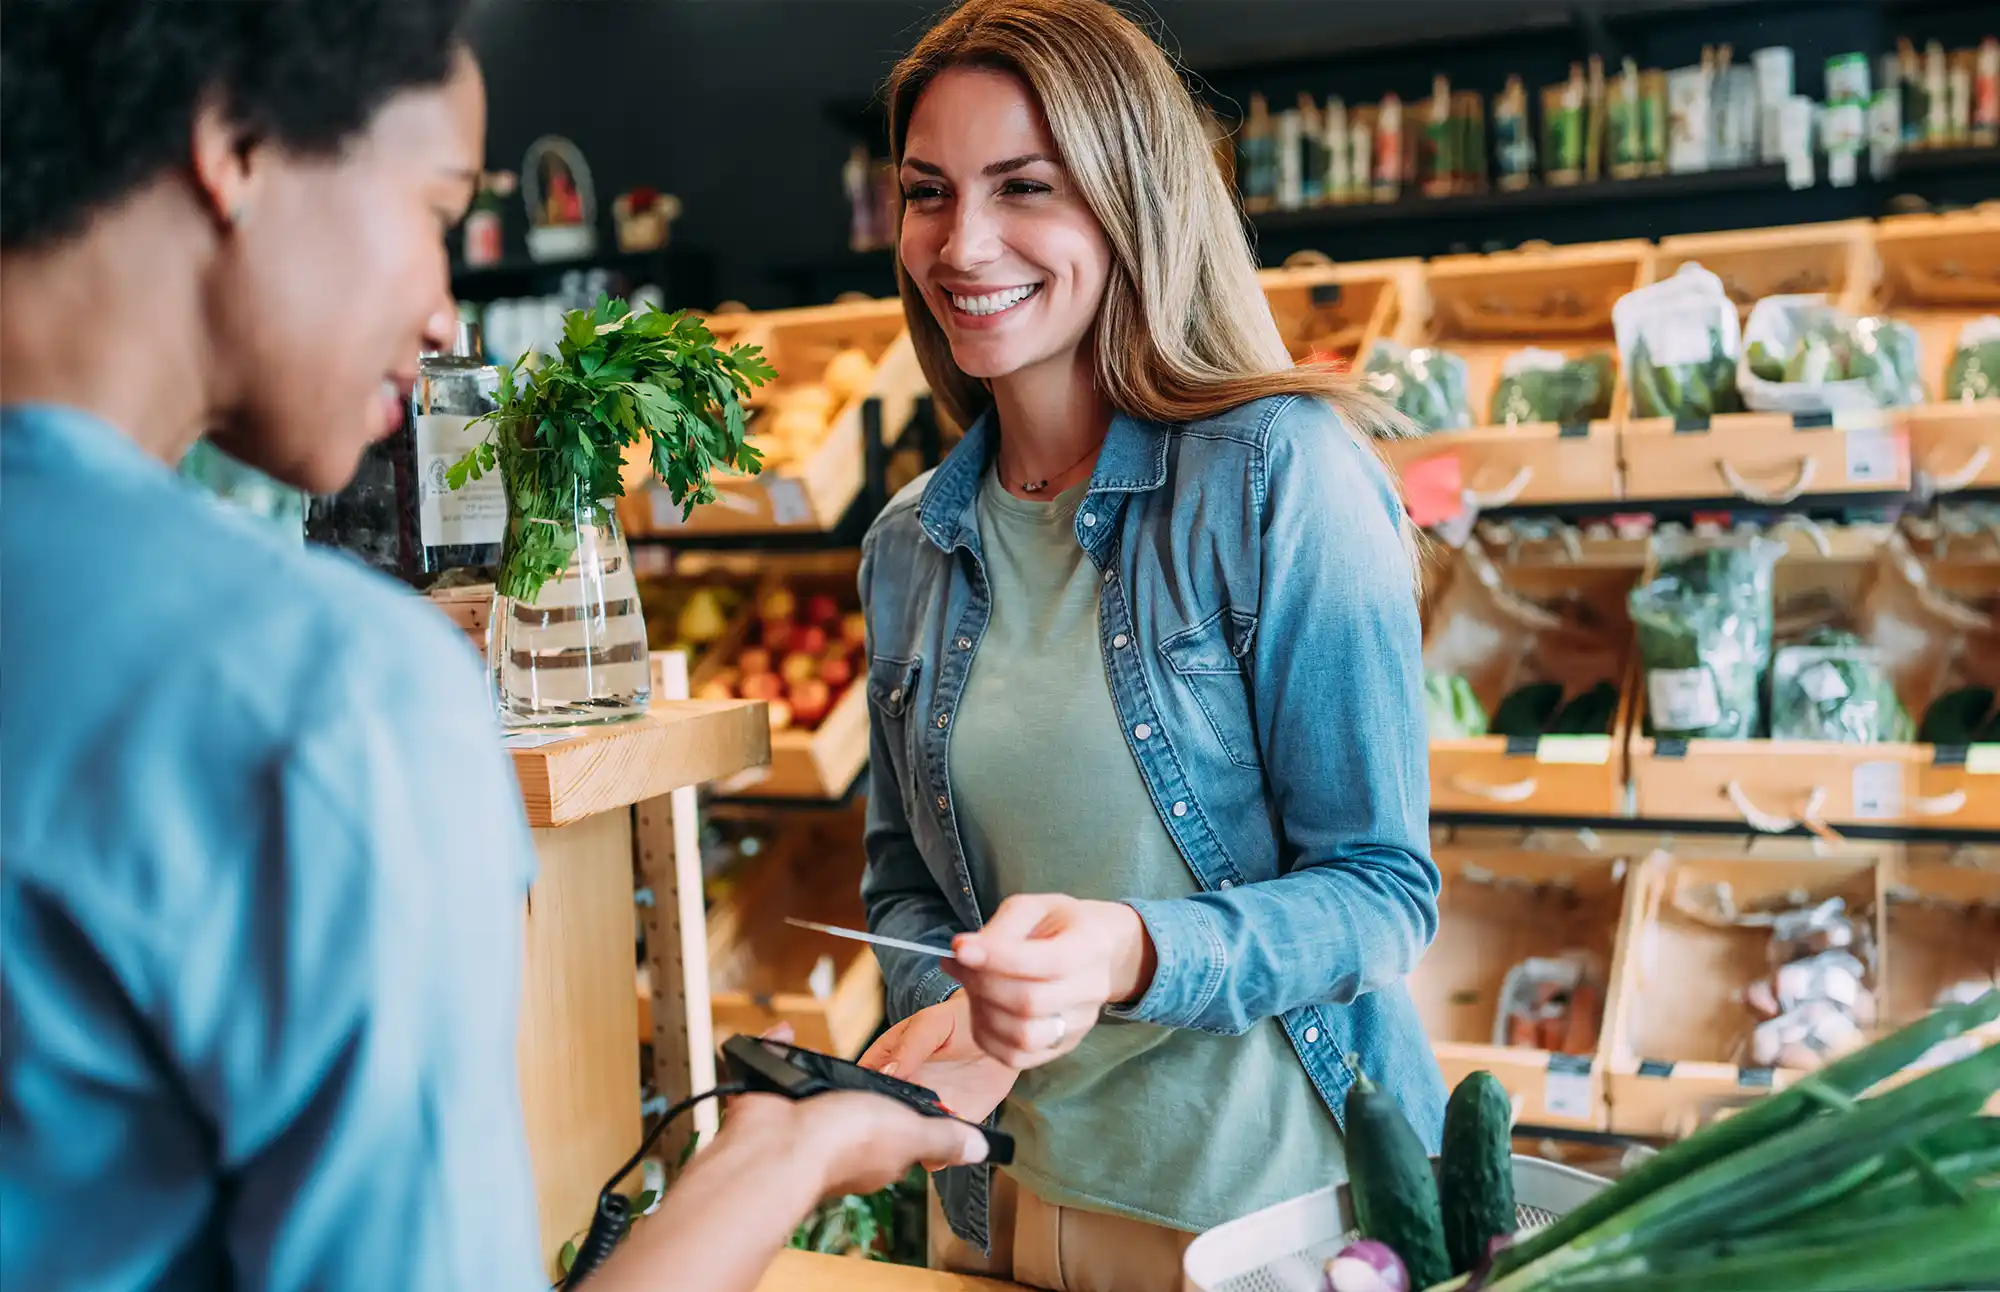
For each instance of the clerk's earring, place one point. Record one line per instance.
(236, 214)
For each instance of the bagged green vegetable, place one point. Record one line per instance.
(1974, 371)
(1833, 686)
(1544, 386)
(1425, 384)
(1451, 710)
(1681, 341)
(1704, 629)
(1804, 356)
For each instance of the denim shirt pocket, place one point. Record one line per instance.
(892, 693)
(1208, 659)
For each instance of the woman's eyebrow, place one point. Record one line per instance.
(997, 168)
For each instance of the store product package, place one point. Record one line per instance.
(1940, 647)
(1974, 370)
(1553, 1003)
(1547, 386)
(1801, 355)
(1425, 384)
(1704, 626)
(1680, 340)
(1832, 686)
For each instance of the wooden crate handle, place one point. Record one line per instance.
(1505, 494)
(1802, 481)
(1938, 804)
(1515, 792)
(1967, 472)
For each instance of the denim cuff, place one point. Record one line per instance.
(934, 988)
(1188, 960)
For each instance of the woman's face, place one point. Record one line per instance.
(333, 280)
(995, 234)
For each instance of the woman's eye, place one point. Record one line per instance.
(923, 193)
(1025, 188)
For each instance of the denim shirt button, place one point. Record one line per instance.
(1180, 809)
(943, 718)
(1142, 731)
(1089, 519)
(965, 643)
(1118, 642)
(896, 696)
(1227, 883)
(1312, 1035)
(943, 803)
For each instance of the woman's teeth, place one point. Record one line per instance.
(994, 302)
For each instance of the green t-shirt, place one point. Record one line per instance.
(1177, 1127)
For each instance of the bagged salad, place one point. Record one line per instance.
(1680, 340)
(1425, 384)
(1833, 686)
(1704, 625)
(1546, 386)
(1801, 355)
(1974, 371)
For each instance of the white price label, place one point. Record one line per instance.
(1589, 750)
(1983, 760)
(1874, 455)
(1683, 699)
(788, 502)
(1567, 1094)
(475, 513)
(1878, 791)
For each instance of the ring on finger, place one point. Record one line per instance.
(1062, 1032)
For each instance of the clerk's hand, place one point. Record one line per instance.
(934, 1048)
(1043, 967)
(848, 1141)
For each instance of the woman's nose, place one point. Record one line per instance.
(973, 239)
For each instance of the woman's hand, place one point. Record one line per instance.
(1043, 967)
(934, 1048)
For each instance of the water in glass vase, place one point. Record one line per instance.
(576, 651)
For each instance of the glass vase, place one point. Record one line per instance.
(575, 651)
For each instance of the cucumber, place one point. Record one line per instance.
(1527, 710)
(1476, 1180)
(1954, 717)
(1588, 714)
(1988, 734)
(1390, 1180)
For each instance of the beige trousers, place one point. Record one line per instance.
(1061, 1249)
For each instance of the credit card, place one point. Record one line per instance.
(876, 939)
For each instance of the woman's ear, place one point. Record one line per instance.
(226, 164)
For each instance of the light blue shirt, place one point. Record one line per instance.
(262, 864)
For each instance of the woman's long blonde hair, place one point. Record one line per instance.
(1184, 332)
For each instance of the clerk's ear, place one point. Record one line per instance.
(229, 163)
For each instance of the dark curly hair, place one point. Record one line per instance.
(99, 96)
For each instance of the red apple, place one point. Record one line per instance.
(779, 603)
(812, 641)
(810, 701)
(836, 671)
(779, 634)
(753, 661)
(780, 714)
(797, 667)
(763, 686)
(854, 630)
(822, 610)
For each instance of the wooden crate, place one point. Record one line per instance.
(1500, 906)
(1484, 632)
(1775, 785)
(1938, 273)
(1337, 312)
(1678, 1029)
(1959, 787)
(810, 489)
(764, 971)
(1483, 309)
(1771, 459)
(1835, 259)
(470, 607)
(819, 762)
(1941, 927)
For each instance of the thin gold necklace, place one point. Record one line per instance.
(1036, 486)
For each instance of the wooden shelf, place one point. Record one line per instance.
(678, 743)
(796, 1271)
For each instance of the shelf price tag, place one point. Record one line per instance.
(1588, 750)
(1875, 454)
(1878, 791)
(1982, 760)
(1566, 1087)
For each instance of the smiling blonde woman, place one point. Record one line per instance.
(1144, 683)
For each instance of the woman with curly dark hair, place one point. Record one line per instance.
(260, 916)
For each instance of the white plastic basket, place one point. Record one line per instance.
(1285, 1248)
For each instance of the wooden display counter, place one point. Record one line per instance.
(578, 1056)
(796, 1271)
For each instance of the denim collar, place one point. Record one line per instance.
(1133, 460)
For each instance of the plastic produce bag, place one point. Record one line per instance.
(1974, 371)
(1833, 686)
(1801, 355)
(1545, 386)
(1680, 340)
(1451, 710)
(1425, 384)
(1704, 629)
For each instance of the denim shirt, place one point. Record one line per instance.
(1261, 639)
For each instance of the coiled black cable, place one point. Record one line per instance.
(614, 1209)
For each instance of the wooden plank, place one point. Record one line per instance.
(578, 1057)
(677, 743)
(796, 1271)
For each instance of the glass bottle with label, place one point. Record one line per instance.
(458, 531)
